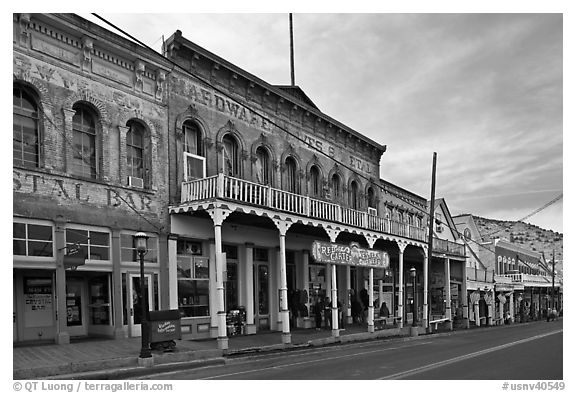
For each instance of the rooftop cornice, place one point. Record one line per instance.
(177, 42)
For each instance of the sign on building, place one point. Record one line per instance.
(351, 254)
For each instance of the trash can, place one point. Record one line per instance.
(164, 328)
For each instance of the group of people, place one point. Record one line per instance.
(359, 309)
(323, 311)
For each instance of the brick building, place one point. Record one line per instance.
(89, 145)
(239, 184)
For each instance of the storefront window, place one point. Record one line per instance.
(32, 240)
(129, 253)
(231, 286)
(93, 245)
(193, 286)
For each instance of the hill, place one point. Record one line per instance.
(525, 235)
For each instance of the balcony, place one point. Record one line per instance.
(474, 274)
(529, 279)
(245, 192)
(448, 247)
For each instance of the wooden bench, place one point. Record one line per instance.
(435, 322)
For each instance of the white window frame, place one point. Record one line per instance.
(35, 258)
(152, 237)
(188, 156)
(94, 229)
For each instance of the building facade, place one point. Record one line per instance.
(89, 148)
(258, 205)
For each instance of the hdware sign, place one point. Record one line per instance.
(349, 255)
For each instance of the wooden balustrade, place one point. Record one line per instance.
(227, 187)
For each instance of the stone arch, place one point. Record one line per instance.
(87, 97)
(191, 113)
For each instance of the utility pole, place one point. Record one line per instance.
(430, 240)
(292, 79)
(553, 274)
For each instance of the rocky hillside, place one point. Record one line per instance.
(526, 235)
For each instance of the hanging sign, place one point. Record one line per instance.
(349, 255)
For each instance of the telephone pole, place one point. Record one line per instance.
(430, 243)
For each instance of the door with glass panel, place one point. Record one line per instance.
(76, 306)
(134, 302)
(262, 296)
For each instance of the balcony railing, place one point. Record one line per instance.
(448, 247)
(474, 274)
(528, 278)
(226, 187)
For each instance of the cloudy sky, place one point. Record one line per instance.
(484, 91)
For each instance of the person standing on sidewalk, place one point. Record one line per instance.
(327, 313)
(318, 309)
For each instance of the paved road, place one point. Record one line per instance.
(520, 352)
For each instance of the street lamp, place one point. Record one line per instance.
(141, 241)
(414, 302)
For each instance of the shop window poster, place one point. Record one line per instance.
(38, 305)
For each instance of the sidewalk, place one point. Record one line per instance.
(118, 359)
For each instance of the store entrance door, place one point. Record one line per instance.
(76, 306)
(134, 306)
(262, 296)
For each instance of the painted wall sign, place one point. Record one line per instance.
(349, 255)
(74, 191)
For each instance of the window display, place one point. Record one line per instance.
(193, 286)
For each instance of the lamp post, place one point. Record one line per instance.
(141, 240)
(414, 302)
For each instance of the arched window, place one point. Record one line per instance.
(26, 129)
(194, 162)
(336, 187)
(354, 195)
(84, 155)
(192, 138)
(231, 156)
(135, 150)
(315, 182)
(291, 180)
(263, 168)
(371, 198)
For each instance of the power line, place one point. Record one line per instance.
(224, 93)
(553, 201)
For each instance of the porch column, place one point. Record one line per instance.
(511, 307)
(283, 227)
(172, 272)
(62, 335)
(447, 289)
(218, 216)
(119, 332)
(306, 279)
(502, 299)
(401, 248)
(249, 288)
(335, 330)
(212, 289)
(425, 306)
(348, 316)
(464, 296)
(371, 301)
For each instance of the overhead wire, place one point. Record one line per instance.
(224, 93)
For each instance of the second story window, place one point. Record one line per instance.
(194, 162)
(291, 175)
(371, 199)
(354, 196)
(263, 172)
(231, 156)
(336, 188)
(84, 157)
(135, 150)
(315, 182)
(26, 130)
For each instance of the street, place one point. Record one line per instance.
(519, 352)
